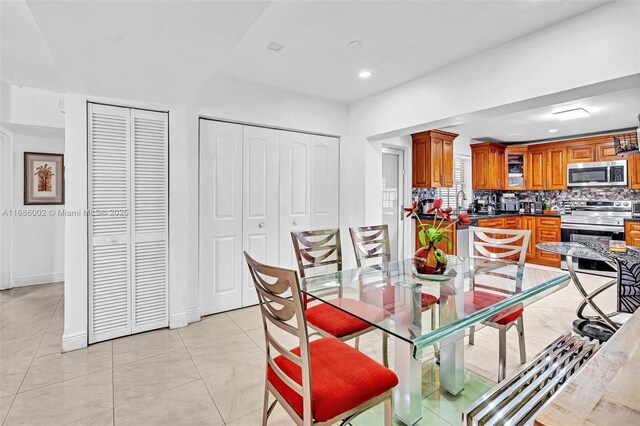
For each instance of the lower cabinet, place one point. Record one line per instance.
(543, 230)
(632, 232)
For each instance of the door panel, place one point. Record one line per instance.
(295, 188)
(324, 182)
(447, 162)
(536, 170)
(435, 166)
(220, 216)
(556, 168)
(109, 237)
(261, 200)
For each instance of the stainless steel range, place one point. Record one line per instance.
(601, 220)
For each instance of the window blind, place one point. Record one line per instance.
(461, 181)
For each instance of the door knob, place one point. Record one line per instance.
(295, 222)
(261, 225)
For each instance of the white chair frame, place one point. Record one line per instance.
(511, 243)
(272, 285)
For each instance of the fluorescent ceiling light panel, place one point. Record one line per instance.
(571, 114)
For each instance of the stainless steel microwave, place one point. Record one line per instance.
(599, 173)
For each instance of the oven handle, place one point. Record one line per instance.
(592, 227)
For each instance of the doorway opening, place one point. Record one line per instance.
(393, 187)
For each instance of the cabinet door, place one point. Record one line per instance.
(529, 223)
(220, 216)
(436, 164)
(632, 233)
(419, 163)
(479, 168)
(295, 190)
(447, 162)
(109, 238)
(536, 170)
(581, 153)
(497, 223)
(634, 171)
(556, 168)
(261, 201)
(150, 202)
(325, 187)
(496, 168)
(606, 152)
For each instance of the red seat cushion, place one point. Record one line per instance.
(342, 378)
(340, 324)
(476, 300)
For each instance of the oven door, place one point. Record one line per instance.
(600, 235)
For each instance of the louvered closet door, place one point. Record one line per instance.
(109, 252)
(221, 245)
(295, 190)
(261, 200)
(325, 186)
(149, 222)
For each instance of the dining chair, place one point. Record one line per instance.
(322, 250)
(373, 242)
(503, 246)
(319, 382)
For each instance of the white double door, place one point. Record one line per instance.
(256, 186)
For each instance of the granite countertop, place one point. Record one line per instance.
(632, 219)
(475, 217)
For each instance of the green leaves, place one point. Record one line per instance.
(433, 234)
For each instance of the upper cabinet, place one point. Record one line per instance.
(541, 166)
(488, 166)
(433, 159)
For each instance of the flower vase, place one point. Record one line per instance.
(430, 260)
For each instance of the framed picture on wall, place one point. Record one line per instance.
(43, 178)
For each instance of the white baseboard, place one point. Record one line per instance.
(193, 315)
(178, 320)
(74, 341)
(37, 279)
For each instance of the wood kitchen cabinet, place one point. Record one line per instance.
(581, 153)
(432, 159)
(547, 231)
(516, 168)
(488, 166)
(606, 152)
(634, 171)
(547, 167)
(596, 148)
(536, 170)
(632, 232)
(543, 230)
(444, 244)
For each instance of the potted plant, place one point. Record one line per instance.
(429, 259)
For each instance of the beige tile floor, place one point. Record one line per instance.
(210, 372)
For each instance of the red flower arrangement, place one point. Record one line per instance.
(429, 259)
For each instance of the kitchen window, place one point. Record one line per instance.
(461, 181)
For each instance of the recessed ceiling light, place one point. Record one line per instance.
(365, 74)
(553, 130)
(513, 134)
(276, 47)
(571, 114)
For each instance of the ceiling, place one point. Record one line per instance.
(612, 111)
(165, 50)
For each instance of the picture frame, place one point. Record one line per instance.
(43, 179)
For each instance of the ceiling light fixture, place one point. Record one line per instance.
(365, 74)
(276, 47)
(571, 114)
(553, 130)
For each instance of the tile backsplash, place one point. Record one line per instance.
(559, 197)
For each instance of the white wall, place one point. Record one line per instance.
(37, 243)
(27, 106)
(225, 98)
(602, 45)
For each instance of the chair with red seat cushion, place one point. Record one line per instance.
(499, 245)
(322, 249)
(320, 382)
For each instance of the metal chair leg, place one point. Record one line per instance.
(357, 344)
(502, 351)
(388, 412)
(472, 335)
(385, 349)
(265, 407)
(523, 349)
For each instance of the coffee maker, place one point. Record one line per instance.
(509, 203)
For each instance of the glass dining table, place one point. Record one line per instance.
(423, 313)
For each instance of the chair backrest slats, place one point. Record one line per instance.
(370, 242)
(499, 244)
(317, 248)
(271, 285)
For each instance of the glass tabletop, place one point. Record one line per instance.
(573, 249)
(422, 312)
